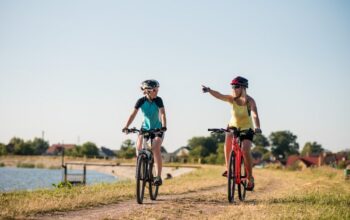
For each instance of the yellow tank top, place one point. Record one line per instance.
(240, 117)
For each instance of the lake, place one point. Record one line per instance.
(12, 178)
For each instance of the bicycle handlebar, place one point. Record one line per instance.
(223, 130)
(217, 130)
(143, 132)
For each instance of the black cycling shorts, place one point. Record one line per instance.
(152, 136)
(245, 134)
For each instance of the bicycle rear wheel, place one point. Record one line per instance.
(153, 189)
(231, 179)
(140, 178)
(242, 186)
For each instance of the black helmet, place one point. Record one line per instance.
(241, 81)
(149, 84)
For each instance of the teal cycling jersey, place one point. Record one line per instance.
(150, 110)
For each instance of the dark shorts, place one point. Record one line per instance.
(248, 135)
(245, 134)
(152, 136)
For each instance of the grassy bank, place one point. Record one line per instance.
(320, 193)
(16, 204)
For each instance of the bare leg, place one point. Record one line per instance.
(157, 142)
(246, 145)
(139, 144)
(228, 148)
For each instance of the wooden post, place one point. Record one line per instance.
(65, 173)
(84, 178)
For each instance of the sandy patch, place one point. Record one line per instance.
(128, 172)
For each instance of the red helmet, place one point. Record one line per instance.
(241, 81)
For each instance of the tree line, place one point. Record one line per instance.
(38, 146)
(210, 149)
(279, 145)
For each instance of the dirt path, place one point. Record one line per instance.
(203, 204)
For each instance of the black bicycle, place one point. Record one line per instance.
(145, 165)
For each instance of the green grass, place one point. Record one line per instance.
(23, 203)
(313, 205)
(320, 193)
(25, 165)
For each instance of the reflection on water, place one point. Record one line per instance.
(28, 179)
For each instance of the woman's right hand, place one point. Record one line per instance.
(205, 89)
(125, 130)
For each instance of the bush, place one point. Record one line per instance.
(63, 184)
(341, 165)
(25, 165)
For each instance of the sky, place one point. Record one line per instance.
(71, 70)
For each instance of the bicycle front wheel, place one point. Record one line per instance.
(231, 179)
(140, 178)
(153, 189)
(242, 186)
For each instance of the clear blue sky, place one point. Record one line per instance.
(73, 68)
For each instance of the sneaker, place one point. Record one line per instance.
(224, 173)
(157, 181)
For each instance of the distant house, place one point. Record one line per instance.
(302, 162)
(106, 152)
(325, 158)
(179, 155)
(55, 149)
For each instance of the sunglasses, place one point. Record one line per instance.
(151, 90)
(236, 86)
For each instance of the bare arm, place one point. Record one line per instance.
(131, 118)
(163, 116)
(218, 95)
(254, 111)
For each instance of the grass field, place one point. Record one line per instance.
(320, 193)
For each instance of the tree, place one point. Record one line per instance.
(198, 152)
(202, 146)
(218, 137)
(312, 148)
(3, 150)
(39, 146)
(127, 149)
(19, 147)
(220, 155)
(261, 141)
(283, 144)
(74, 152)
(14, 143)
(89, 149)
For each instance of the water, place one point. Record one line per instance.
(12, 179)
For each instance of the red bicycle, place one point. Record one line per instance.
(237, 172)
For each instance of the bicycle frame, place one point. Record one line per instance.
(234, 171)
(146, 147)
(236, 148)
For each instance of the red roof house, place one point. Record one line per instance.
(56, 148)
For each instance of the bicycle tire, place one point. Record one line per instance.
(242, 186)
(231, 179)
(153, 189)
(140, 178)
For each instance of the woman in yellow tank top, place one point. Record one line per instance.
(243, 113)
